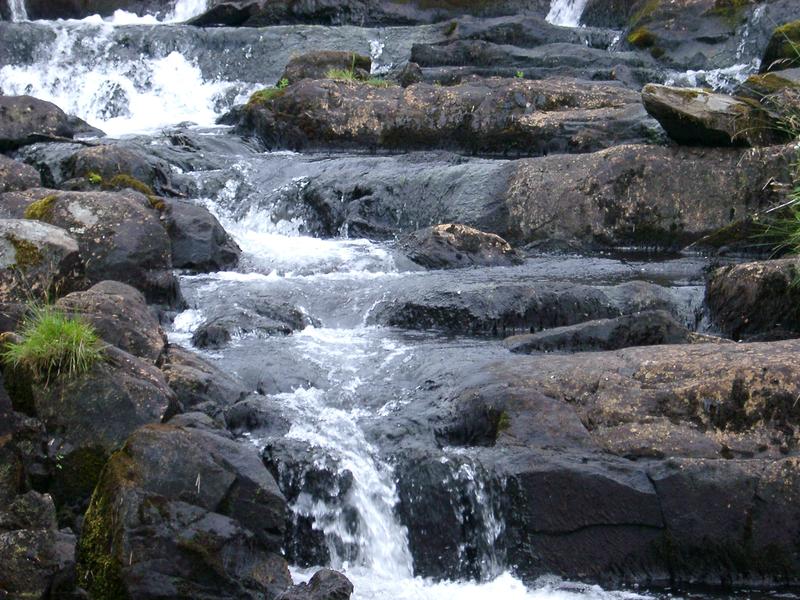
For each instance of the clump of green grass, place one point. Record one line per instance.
(54, 344)
(341, 74)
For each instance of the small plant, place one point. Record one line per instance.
(379, 82)
(282, 84)
(341, 74)
(519, 75)
(54, 344)
(94, 178)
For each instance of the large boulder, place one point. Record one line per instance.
(513, 308)
(260, 13)
(38, 261)
(198, 241)
(184, 511)
(650, 328)
(78, 9)
(16, 175)
(454, 246)
(35, 557)
(25, 120)
(316, 65)
(641, 195)
(700, 117)
(671, 463)
(120, 315)
(88, 416)
(264, 318)
(483, 116)
(109, 165)
(119, 234)
(756, 299)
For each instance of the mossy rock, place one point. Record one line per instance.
(264, 97)
(42, 209)
(641, 38)
(731, 11)
(783, 50)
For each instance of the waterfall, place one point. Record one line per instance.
(186, 9)
(566, 13)
(18, 11)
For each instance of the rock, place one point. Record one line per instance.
(659, 463)
(121, 317)
(764, 86)
(263, 318)
(781, 52)
(317, 64)
(110, 161)
(454, 246)
(488, 117)
(184, 512)
(513, 308)
(34, 555)
(15, 175)
(640, 195)
(410, 74)
(756, 299)
(261, 13)
(25, 120)
(196, 381)
(38, 261)
(257, 415)
(700, 117)
(79, 9)
(119, 235)
(90, 415)
(641, 329)
(324, 585)
(697, 34)
(199, 243)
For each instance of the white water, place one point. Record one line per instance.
(120, 97)
(18, 11)
(566, 13)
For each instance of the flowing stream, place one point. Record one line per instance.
(342, 381)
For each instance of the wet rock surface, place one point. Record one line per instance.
(25, 120)
(487, 117)
(455, 246)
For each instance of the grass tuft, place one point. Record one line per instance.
(341, 74)
(54, 344)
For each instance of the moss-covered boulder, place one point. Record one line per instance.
(100, 164)
(317, 65)
(454, 246)
(120, 315)
(184, 511)
(88, 416)
(35, 557)
(16, 175)
(783, 50)
(493, 116)
(700, 117)
(119, 234)
(37, 261)
(757, 299)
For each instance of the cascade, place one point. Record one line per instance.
(18, 11)
(566, 13)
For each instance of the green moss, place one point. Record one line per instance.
(26, 253)
(99, 562)
(341, 74)
(264, 97)
(503, 422)
(641, 38)
(450, 28)
(94, 178)
(42, 209)
(121, 182)
(731, 11)
(768, 83)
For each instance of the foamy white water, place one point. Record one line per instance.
(140, 95)
(566, 13)
(17, 10)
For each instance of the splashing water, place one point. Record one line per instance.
(566, 13)
(18, 11)
(186, 9)
(143, 94)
